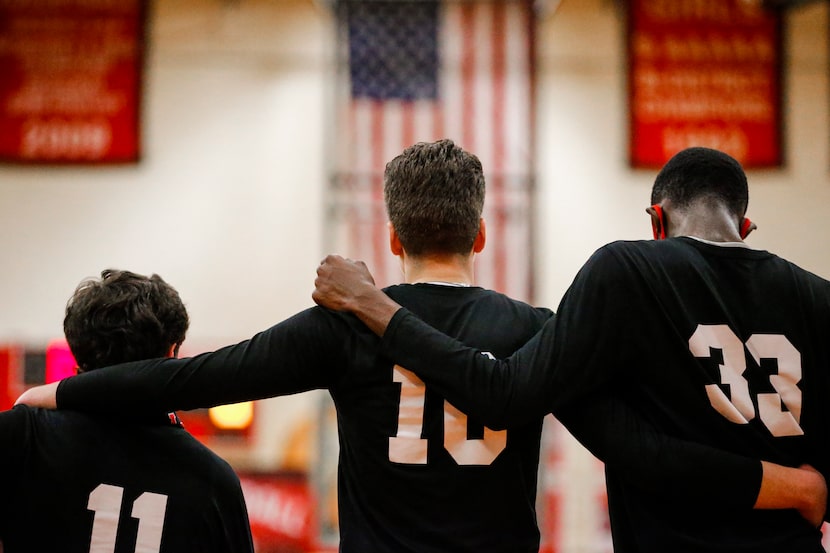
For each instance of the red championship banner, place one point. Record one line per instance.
(70, 77)
(704, 74)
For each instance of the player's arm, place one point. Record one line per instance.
(479, 386)
(293, 356)
(664, 465)
(505, 392)
(687, 471)
(500, 392)
(803, 488)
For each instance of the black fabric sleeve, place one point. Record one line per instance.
(529, 383)
(499, 393)
(296, 355)
(669, 467)
(568, 369)
(507, 392)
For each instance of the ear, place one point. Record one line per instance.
(174, 351)
(394, 240)
(481, 237)
(658, 221)
(747, 226)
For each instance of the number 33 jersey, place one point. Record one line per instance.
(714, 344)
(717, 344)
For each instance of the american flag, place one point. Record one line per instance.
(422, 71)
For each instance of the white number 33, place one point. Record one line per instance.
(740, 408)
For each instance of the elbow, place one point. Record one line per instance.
(496, 425)
(496, 415)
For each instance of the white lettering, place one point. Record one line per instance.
(65, 139)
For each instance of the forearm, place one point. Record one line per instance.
(157, 385)
(687, 471)
(793, 488)
(499, 393)
(374, 308)
(668, 467)
(293, 356)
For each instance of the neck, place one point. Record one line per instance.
(715, 223)
(456, 269)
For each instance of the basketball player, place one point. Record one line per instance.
(87, 484)
(411, 477)
(415, 474)
(710, 340)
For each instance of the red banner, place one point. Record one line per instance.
(704, 74)
(281, 512)
(70, 77)
(11, 359)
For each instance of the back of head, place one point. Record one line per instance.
(702, 174)
(123, 317)
(434, 193)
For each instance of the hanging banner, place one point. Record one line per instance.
(71, 78)
(281, 510)
(704, 74)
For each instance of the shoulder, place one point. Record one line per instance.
(22, 417)
(203, 463)
(621, 249)
(609, 260)
(16, 413)
(23, 427)
(14, 423)
(504, 303)
(804, 275)
(313, 317)
(411, 296)
(316, 324)
(626, 257)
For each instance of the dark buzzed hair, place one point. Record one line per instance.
(122, 317)
(434, 194)
(697, 173)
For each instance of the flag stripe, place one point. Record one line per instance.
(380, 112)
(499, 47)
(484, 103)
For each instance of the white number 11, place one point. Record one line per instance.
(148, 508)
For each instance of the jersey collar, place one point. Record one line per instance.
(722, 244)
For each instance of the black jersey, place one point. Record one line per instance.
(415, 474)
(80, 484)
(718, 344)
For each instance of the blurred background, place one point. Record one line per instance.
(228, 145)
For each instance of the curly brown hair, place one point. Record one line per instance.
(123, 316)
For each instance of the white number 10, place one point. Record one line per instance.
(148, 508)
(410, 448)
(760, 346)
